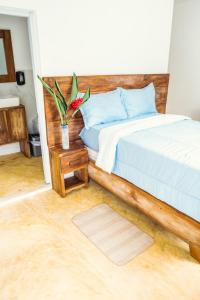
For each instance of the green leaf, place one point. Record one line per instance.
(87, 95)
(58, 101)
(60, 108)
(57, 104)
(46, 86)
(61, 94)
(74, 90)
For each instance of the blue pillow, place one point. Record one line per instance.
(103, 108)
(139, 101)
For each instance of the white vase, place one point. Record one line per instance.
(65, 136)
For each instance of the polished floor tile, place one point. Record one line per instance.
(44, 256)
(19, 174)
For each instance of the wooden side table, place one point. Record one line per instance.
(67, 161)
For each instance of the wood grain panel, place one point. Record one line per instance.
(13, 127)
(17, 123)
(98, 84)
(4, 132)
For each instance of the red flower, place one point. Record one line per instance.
(76, 103)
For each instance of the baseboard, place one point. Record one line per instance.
(9, 149)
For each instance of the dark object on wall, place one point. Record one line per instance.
(35, 144)
(20, 78)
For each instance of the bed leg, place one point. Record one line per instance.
(195, 251)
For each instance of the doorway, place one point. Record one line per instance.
(36, 172)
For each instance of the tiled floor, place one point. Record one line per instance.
(19, 174)
(44, 256)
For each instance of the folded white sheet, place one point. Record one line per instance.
(110, 136)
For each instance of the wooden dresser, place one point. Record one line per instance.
(13, 127)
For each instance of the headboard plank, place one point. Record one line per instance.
(97, 84)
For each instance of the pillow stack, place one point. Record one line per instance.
(103, 108)
(139, 101)
(119, 104)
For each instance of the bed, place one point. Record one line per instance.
(147, 159)
(152, 180)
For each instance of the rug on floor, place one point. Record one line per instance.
(119, 239)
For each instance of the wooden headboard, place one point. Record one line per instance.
(97, 84)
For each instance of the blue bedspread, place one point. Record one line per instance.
(164, 161)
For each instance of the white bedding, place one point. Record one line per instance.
(92, 154)
(110, 136)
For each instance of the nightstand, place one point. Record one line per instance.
(67, 161)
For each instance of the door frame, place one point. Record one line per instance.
(36, 65)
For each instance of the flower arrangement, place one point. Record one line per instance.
(67, 108)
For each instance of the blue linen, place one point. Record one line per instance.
(103, 108)
(177, 199)
(90, 136)
(139, 101)
(164, 161)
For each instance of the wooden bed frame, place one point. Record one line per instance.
(180, 224)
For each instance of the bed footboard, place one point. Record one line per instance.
(180, 224)
(195, 251)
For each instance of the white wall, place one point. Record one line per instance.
(102, 37)
(184, 63)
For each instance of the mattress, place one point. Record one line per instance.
(164, 161)
(90, 136)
